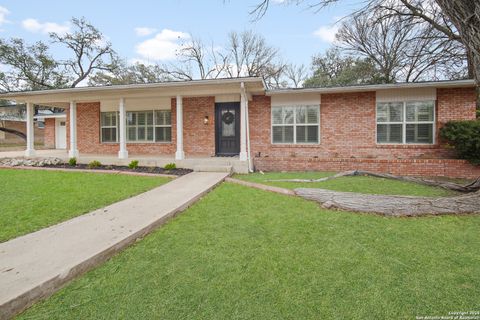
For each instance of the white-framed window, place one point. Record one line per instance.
(409, 122)
(108, 126)
(163, 126)
(299, 124)
(139, 126)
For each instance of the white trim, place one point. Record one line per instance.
(375, 87)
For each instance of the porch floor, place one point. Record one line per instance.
(197, 163)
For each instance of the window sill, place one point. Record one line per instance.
(298, 145)
(148, 142)
(407, 146)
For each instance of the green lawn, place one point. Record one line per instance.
(360, 184)
(31, 200)
(242, 253)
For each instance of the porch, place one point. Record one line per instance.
(201, 125)
(196, 163)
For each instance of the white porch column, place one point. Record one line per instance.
(122, 153)
(30, 151)
(243, 127)
(73, 152)
(179, 155)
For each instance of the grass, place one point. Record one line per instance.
(359, 184)
(242, 253)
(31, 200)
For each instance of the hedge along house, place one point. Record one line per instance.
(239, 123)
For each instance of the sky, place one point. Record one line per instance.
(149, 31)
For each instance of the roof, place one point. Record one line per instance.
(255, 85)
(375, 87)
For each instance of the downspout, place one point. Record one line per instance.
(244, 96)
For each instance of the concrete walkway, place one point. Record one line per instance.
(34, 266)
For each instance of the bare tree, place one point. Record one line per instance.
(401, 48)
(197, 60)
(250, 54)
(92, 52)
(457, 19)
(296, 74)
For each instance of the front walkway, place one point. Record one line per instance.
(34, 266)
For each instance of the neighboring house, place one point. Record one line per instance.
(387, 128)
(13, 117)
(55, 129)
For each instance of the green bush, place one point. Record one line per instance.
(72, 162)
(133, 164)
(94, 164)
(465, 137)
(170, 166)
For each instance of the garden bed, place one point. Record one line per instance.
(139, 169)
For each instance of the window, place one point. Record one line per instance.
(108, 126)
(296, 124)
(163, 126)
(405, 122)
(141, 126)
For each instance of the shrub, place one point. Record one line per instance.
(133, 164)
(170, 166)
(94, 164)
(465, 138)
(72, 162)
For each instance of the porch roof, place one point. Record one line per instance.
(253, 85)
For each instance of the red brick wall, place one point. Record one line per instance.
(49, 133)
(347, 128)
(408, 167)
(347, 138)
(198, 138)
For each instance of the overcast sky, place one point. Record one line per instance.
(149, 30)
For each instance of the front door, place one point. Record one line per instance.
(227, 128)
(60, 134)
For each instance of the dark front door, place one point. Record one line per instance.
(227, 128)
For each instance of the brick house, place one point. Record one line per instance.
(386, 128)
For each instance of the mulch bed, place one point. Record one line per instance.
(151, 170)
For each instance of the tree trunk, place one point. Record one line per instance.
(393, 205)
(465, 15)
(15, 132)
